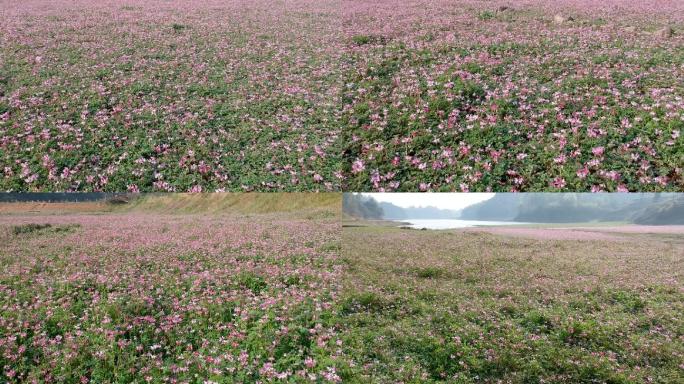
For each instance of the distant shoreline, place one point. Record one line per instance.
(607, 226)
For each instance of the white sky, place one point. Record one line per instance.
(440, 200)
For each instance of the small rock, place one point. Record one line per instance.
(630, 29)
(561, 19)
(665, 33)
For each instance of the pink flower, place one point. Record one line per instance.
(662, 180)
(203, 167)
(375, 177)
(358, 166)
(598, 151)
(309, 362)
(583, 172)
(610, 175)
(331, 375)
(558, 182)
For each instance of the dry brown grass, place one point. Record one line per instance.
(52, 208)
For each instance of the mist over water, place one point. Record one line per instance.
(452, 224)
(509, 208)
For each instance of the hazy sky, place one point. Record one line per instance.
(439, 200)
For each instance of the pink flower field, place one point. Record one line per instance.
(169, 95)
(515, 96)
(167, 298)
(384, 95)
(282, 288)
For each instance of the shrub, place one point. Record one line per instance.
(429, 272)
(178, 27)
(485, 15)
(29, 228)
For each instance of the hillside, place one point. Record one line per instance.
(214, 203)
(394, 212)
(642, 208)
(245, 203)
(669, 212)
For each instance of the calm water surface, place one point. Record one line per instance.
(448, 224)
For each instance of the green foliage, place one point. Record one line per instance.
(29, 228)
(368, 39)
(429, 272)
(253, 282)
(40, 228)
(178, 27)
(361, 39)
(486, 15)
(364, 301)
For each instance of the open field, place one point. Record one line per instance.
(142, 296)
(469, 307)
(304, 95)
(581, 232)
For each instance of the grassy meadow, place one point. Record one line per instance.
(474, 307)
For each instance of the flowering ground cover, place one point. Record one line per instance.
(328, 95)
(131, 297)
(515, 96)
(475, 307)
(168, 95)
(134, 294)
